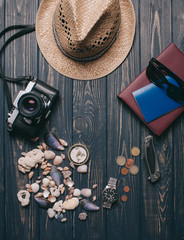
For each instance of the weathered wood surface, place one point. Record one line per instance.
(89, 112)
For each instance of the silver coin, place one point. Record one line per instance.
(134, 170)
(121, 160)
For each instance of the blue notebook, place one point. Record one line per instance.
(154, 102)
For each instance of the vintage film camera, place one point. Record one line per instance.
(31, 108)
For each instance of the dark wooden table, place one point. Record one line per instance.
(90, 112)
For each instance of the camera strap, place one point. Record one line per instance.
(25, 29)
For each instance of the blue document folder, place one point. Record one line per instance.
(154, 102)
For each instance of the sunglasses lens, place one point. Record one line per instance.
(175, 93)
(155, 75)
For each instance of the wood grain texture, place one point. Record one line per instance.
(2, 144)
(123, 133)
(21, 55)
(157, 199)
(89, 112)
(178, 139)
(89, 116)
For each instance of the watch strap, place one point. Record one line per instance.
(112, 182)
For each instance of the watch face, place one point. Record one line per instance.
(110, 195)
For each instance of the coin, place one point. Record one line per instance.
(120, 160)
(134, 170)
(135, 151)
(130, 162)
(126, 189)
(124, 171)
(124, 198)
(127, 166)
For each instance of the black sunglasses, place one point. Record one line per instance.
(156, 73)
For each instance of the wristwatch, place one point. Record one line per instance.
(110, 194)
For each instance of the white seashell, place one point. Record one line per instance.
(63, 220)
(51, 213)
(62, 190)
(82, 168)
(49, 155)
(94, 198)
(35, 187)
(57, 160)
(63, 142)
(86, 192)
(36, 154)
(23, 197)
(58, 206)
(46, 193)
(69, 183)
(77, 192)
(31, 174)
(46, 181)
(71, 204)
(52, 184)
(94, 186)
(55, 192)
(60, 186)
(51, 198)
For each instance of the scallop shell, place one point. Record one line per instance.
(82, 169)
(77, 192)
(86, 192)
(57, 160)
(49, 154)
(35, 187)
(51, 213)
(71, 204)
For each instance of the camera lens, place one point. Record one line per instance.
(30, 105)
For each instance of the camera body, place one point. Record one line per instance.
(31, 108)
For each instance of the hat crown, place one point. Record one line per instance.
(86, 28)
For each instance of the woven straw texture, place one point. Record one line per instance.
(85, 28)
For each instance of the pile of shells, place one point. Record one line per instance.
(54, 189)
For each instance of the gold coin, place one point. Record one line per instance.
(120, 160)
(135, 151)
(134, 170)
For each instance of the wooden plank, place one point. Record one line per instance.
(123, 133)
(156, 213)
(178, 141)
(89, 116)
(21, 55)
(2, 143)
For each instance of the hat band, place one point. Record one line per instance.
(85, 59)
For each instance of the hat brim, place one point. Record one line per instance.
(101, 67)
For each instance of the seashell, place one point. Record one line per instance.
(42, 202)
(66, 168)
(31, 174)
(46, 193)
(59, 217)
(94, 198)
(63, 156)
(55, 192)
(23, 154)
(44, 187)
(77, 192)
(51, 212)
(86, 192)
(63, 210)
(21, 169)
(45, 181)
(69, 183)
(53, 142)
(49, 165)
(60, 169)
(62, 190)
(56, 176)
(47, 168)
(58, 206)
(82, 168)
(72, 165)
(51, 198)
(71, 204)
(43, 166)
(63, 142)
(39, 177)
(23, 197)
(38, 181)
(82, 216)
(45, 173)
(44, 146)
(94, 186)
(52, 184)
(40, 147)
(70, 196)
(39, 194)
(49, 155)
(36, 155)
(64, 220)
(57, 160)
(66, 174)
(35, 187)
(60, 186)
(88, 206)
(49, 177)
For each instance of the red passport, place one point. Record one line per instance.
(172, 58)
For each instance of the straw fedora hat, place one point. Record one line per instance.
(85, 39)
